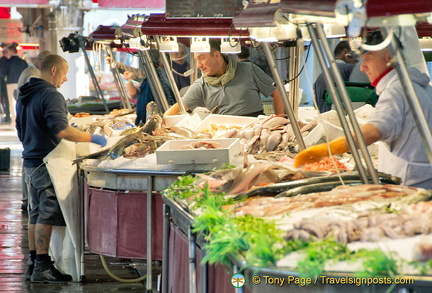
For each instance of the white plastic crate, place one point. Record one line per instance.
(171, 152)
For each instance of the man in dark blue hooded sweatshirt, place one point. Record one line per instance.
(41, 123)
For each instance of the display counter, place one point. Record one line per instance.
(123, 212)
(182, 270)
(178, 226)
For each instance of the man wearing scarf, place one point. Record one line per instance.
(234, 87)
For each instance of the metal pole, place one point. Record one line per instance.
(294, 68)
(149, 234)
(153, 78)
(192, 261)
(204, 268)
(281, 88)
(117, 79)
(336, 101)
(347, 103)
(93, 76)
(173, 84)
(412, 98)
(165, 247)
(235, 271)
(82, 215)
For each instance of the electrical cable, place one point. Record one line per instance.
(105, 265)
(304, 65)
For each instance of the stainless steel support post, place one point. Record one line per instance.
(281, 88)
(82, 215)
(235, 271)
(192, 261)
(153, 79)
(165, 247)
(336, 101)
(347, 103)
(171, 79)
(293, 69)
(93, 76)
(413, 101)
(149, 278)
(118, 80)
(203, 273)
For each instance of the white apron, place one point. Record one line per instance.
(65, 245)
(412, 174)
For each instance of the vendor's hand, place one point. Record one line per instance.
(99, 139)
(311, 155)
(128, 75)
(337, 146)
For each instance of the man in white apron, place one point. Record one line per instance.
(392, 122)
(41, 124)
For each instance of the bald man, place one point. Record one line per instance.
(41, 124)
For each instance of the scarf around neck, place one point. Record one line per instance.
(226, 77)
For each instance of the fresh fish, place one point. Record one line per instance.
(152, 124)
(118, 149)
(143, 148)
(152, 110)
(315, 178)
(130, 131)
(273, 140)
(317, 187)
(215, 110)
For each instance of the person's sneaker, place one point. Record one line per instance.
(46, 272)
(30, 268)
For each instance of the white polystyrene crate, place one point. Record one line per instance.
(307, 113)
(169, 121)
(192, 121)
(314, 136)
(224, 120)
(171, 152)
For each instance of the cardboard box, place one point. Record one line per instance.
(171, 152)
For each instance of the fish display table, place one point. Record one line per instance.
(178, 233)
(182, 270)
(113, 196)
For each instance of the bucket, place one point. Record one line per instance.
(4, 159)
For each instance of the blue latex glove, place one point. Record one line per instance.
(99, 139)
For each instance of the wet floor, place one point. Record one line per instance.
(14, 245)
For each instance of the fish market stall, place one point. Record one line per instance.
(360, 232)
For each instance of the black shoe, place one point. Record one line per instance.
(30, 268)
(45, 272)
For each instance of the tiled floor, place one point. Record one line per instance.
(14, 247)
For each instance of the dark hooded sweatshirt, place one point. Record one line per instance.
(41, 115)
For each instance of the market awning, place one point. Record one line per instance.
(23, 2)
(153, 4)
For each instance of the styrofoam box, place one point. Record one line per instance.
(307, 113)
(333, 129)
(171, 153)
(224, 120)
(172, 120)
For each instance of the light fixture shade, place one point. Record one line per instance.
(425, 44)
(168, 44)
(262, 34)
(229, 46)
(334, 30)
(200, 45)
(139, 43)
